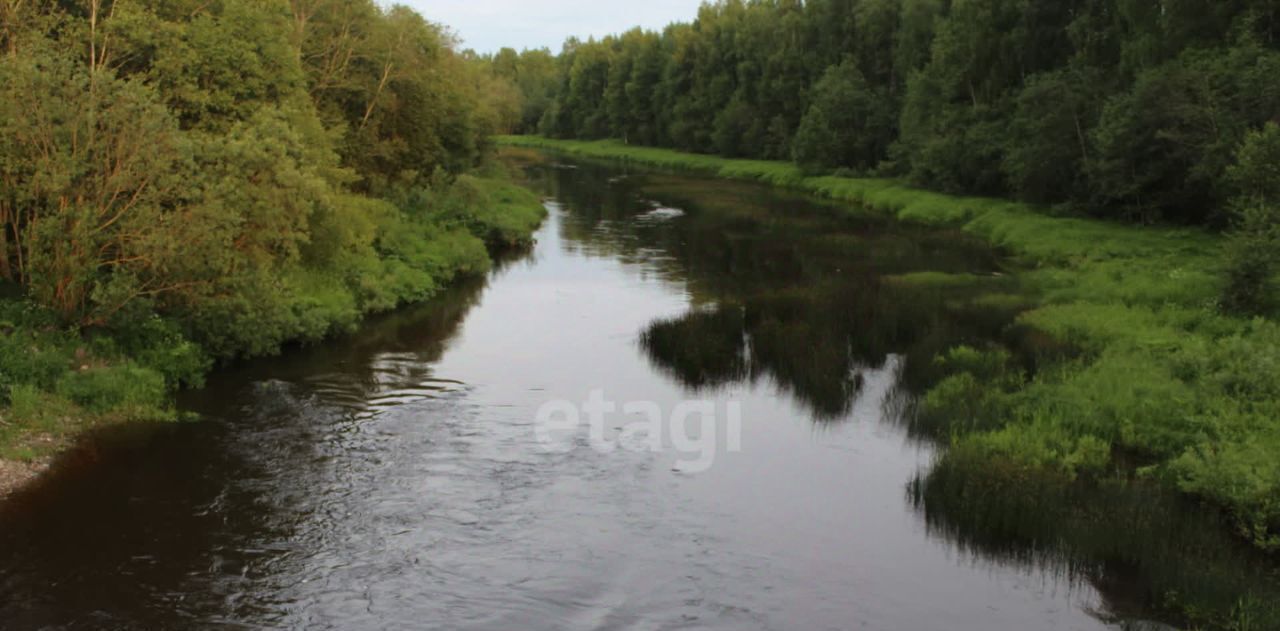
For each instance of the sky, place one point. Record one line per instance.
(488, 25)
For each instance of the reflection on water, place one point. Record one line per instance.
(393, 479)
(1143, 547)
(789, 290)
(142, 527)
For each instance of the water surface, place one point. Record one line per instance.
(395, 479)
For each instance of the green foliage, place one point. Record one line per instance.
(1126, 109)
(87, 177)
(848, 124)
(1238, 375)
(1040, 445)
(111, 388)
(1254, 246)
(157, 344)
(983, 364)
(208, 180)
(1256, 172)
(55, 380)
(218, 67)
(1047, 146)
(1155, 154)
(533, 73)
(971, 395)
(1241, 474)
(34, 408)
(1251, 259)
(507, 213)
(29, 357)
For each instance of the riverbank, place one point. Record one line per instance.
(58, 382)
(1122, 368)
(13, 475)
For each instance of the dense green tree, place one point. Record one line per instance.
(634, 73)
(1164, 144)
(1047, 141)
(585, 99)
(88, 179)
(849, 122)
(956, 108)
(1254, 246)
(1129, 108)
(533, 73)
(228, 163)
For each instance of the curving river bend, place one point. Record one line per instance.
(402, 478)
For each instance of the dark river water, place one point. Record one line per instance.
(760, 350)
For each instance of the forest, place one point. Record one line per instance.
(183, 182)
(1126, 109)
(1130, 108)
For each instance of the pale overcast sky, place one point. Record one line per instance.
(487, 25)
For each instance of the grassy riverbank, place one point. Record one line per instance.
(58, 381)
(1123, 368)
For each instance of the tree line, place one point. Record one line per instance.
(255, 170)
(1129, 108)
(1136, 110)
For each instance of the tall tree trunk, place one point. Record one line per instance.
(21, 275)
(94, 6)
(373, 101)
(10, 23)
(1084, 144)
(6, 271)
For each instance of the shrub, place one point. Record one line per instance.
(1244, 475)
(1251, 259)
(159, 344)
(30, 358)
(1253, 246)
(973, 394)
(34, 408)
(109, 389)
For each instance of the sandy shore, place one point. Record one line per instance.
(15, 474)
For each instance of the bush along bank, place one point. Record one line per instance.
(1123, 370)
(58, 380)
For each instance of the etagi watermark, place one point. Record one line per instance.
(695, 429)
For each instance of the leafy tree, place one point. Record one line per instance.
(849, 123)
(533, 74)
(588, 81)
(1129, 108)
(1048, 142)
(90, 178)
(221, 163)
(737, 131)
(1164, 145)
(1254, 246)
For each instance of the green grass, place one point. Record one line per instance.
(509, 213)
(55, 383)
(1157, 381)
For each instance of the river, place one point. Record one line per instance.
(426, 472)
